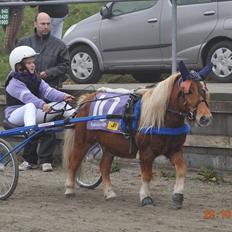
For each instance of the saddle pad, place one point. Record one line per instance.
(108, 103)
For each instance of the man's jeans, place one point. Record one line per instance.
(57, 27)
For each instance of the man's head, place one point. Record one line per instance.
(42, 24)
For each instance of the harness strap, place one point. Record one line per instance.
(185, 129)
(129, 116)
(183, 114)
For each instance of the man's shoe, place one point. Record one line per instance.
(26, 166)
(47, 167)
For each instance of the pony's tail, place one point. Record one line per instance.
(69, 137)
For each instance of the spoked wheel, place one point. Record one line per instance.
(9, 171)
(88, 175)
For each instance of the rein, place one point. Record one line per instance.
(55, 111)
(101, 99)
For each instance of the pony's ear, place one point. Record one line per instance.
(183, 70)
(205, 71)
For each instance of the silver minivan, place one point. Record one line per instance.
(135, 37)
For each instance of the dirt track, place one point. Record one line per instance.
(39, 205)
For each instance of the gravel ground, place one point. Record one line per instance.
(39, 205)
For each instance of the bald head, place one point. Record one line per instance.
(42, 16)
(42, 24)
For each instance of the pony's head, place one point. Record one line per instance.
(195, 94)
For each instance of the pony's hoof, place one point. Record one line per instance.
(147, 201)
(177, 200)
(69, 193)
(110, 195)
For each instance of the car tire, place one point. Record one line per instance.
(84, 68)
(147, 76)
(220, 55)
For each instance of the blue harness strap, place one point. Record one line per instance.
(137, 110)
(136, 116)
(185, 129)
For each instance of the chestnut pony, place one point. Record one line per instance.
(161, 130)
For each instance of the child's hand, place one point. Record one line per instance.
(68, 97)
(46, 108)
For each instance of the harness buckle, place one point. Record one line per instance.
(191, 116)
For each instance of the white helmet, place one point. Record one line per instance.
(19, 53)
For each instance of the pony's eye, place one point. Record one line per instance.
(203, 92)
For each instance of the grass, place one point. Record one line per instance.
(168, 174)
(77, 12)
(209, 175)
(108, 78)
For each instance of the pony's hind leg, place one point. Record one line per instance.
(178, 197)
(74, 152)
(146, 176)
(105, 167)
(73, 164)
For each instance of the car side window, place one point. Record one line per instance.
(120, 8)
(190, 2)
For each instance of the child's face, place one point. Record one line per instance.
(30, 64)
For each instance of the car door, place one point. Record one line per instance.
(130, 38)
(196, 19)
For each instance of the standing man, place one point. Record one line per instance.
(51, 65)
(57, 12)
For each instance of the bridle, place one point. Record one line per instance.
(191, 114)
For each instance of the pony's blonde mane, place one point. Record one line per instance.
(155, 102)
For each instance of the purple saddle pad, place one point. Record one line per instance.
(108, 103)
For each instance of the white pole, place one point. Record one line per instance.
(174, 35)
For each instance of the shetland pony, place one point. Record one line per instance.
(161, 130)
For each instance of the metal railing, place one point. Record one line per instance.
(53, 2)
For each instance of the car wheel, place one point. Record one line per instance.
(221, 56)
(84, 68)
(147, 77)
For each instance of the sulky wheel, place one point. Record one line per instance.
(8, 170)
(88, 175)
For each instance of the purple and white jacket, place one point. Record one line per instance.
(19, 90)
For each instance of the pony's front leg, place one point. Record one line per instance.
(179, 163)
(146, 175)
(105, 167)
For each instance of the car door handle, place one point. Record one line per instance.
(210, 12)
(153, 20)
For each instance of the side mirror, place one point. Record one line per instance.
(106, 12)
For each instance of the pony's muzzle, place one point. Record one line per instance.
(204, 120)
